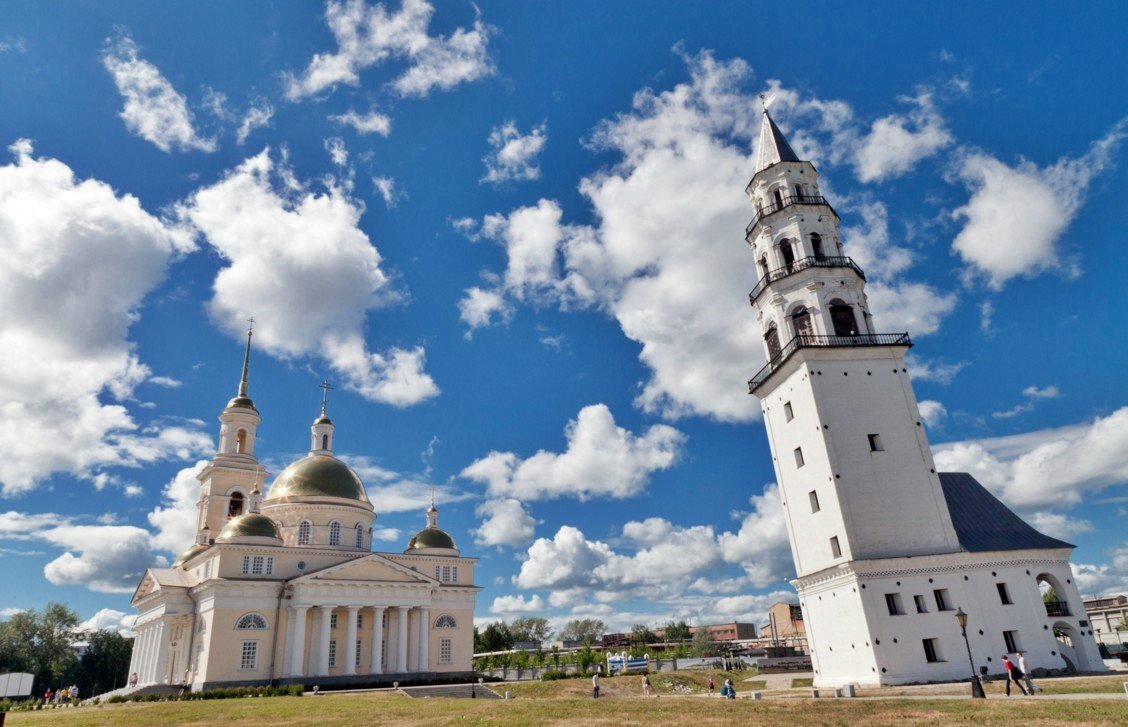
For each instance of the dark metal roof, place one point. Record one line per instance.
(984, 523)
(783, 149)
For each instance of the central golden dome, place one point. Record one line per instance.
(318, 475)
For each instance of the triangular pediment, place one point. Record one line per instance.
(147, 585)
(370, 568)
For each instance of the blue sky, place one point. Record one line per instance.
(511, 235)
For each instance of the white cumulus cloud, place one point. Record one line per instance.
(504, 522)
(299, 262)
(370, 122)
(895, 143)
(174, 520)
(154, 110)
(513, 155)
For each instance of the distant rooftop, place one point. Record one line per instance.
(983, 523)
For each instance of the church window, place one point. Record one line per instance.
(799, 461)
(248, 657)
(359, 620)
(1004, 594)
(303, 532)
(786, 253)
(241, 442)
(269, 570)
(875, 443)
(932, 651)
(438, 573)
(446, 621)
(920, 604)
(334, 533)
(814, 497)
(251, 622)
(771, 340)
(235, 505)
(454, 573)
(788, 412)
(893, 603)
(332, 620)
(446, 573)
(208, 569)
(359, 537)
(333, 652)
(941, 595)
(358, 651)
(778, 198)
(257, 565)
(764, 266)
(842, 318)
(246, 565)
(325, 441)
(383, 651)
(835, 548)
(801, 322)
(1010, 638)
(445, 651)
(816, 245)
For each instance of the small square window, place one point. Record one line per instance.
(1004, 594)
(835, 549)
(932, 651)
(920, 604)
(332, 620)
(359, 620)
(1011, 640)
(814, 501)
(788, 412)
(893, 603)
(799, 462)
(875, 443)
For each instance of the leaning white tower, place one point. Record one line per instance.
(875, 531)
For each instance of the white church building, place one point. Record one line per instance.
(886, 548)
(286, 588)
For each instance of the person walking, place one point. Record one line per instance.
(1030, 686)
(595, 686)
(729, 690)
(1013, 675)
(646, 685)
(711, 685)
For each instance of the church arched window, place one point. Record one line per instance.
(786, 253)
(251, 622)
(777, 196)
(801, 322)
(304, 529)
(842, 318)
(241, 441)
(446, 621)
(359, 536)
(764, 266)
(235, 505)
(325, 441)
(334, 533)
(816, 245)
(771, 340)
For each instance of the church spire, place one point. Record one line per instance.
(773, 148)
(321, 433)
(247, 359)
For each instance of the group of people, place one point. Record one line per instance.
(728, 691)
(1017, 673)
(62, 695)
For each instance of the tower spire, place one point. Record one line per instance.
(247, 358)
(773, 147)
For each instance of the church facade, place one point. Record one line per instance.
(286, 589)
(887, 551)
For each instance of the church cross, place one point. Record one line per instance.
(325, 387)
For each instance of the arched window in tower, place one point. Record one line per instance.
(817, 246)
(801, 322)
(777, 195)
(842, 318)
(771, 339)
(334, 533)
(359, 538)
(241, 441)
(251, 622)
(786, 253)
(325, 441)
(764, 266)
(235, 505)
(303, 532)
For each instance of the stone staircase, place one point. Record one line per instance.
(455, 691)
(163, 689)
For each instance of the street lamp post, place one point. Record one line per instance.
(976, 685)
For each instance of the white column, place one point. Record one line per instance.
(323, 645)
(150, 653)
(142, 649)
(401, 639)
(424, 632)
(377, 639)
(161, 666)
(297, 645)
(350, 641)
(413, 640)
(133, 656)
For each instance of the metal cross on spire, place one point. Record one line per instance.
(325, 387)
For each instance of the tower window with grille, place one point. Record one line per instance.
(248, 657)
(875, 443)
(799, 461)
(771, 340)
(303, 532)
(835, 548)
(334, 533)
(842, 318)
(359, 536)
(814, 497)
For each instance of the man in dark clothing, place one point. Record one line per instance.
(1013, 675)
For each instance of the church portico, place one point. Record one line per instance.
(283, 587)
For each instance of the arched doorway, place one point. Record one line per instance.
(235, 505)
(842, 318)
(1065, 635)
(801, 323)
(771, 340)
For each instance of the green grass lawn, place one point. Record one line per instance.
(392, 710)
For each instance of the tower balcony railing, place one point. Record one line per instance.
(784, 203)
(816, 261)
(808, 340)
(1057, 608)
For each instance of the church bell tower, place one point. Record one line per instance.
(853, 464)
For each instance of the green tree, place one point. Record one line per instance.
(677, 631)
(703, 642)
(640, 634)
(496, 637)
(530, 628)
(104, 664)
(39, 642)
(587, 631)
